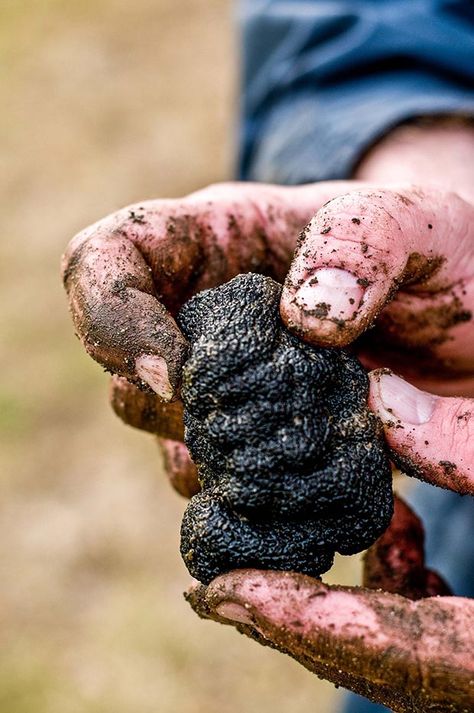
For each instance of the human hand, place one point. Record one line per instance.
(409, 655)
(116, 270)
(358, 666)
(403, 255)
(128, 275)
(393, 269)
(408, 298)
(402, 262)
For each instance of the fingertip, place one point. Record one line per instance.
(430, 436)
(179, 467)
(374, 399)
(234, 612)
(153, 370)
(394, 399)
(251, 589)
(326, 308)
(330, 293)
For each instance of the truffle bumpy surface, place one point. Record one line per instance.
(291, 462)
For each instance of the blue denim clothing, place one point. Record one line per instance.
(322, 81)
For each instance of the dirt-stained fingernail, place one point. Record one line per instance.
(234, 612)
(330, 293)
(401, 400)
(153, 370)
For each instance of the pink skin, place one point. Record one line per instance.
(383, 239)
(436, 434)
(360, 639)
(127, 275)
(338, 610)
(374, 243)
(179, 467)
(396, 561)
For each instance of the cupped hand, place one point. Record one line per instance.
(127, 275)
(387, 267)
(392, 646)
(399, 258)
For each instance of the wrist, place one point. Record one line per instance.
(431, 152)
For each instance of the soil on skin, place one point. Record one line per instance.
(96, 97)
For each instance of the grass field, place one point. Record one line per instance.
(104, 102)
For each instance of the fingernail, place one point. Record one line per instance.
(234, 612)
(405, 402)
(153, 370)
(330, 293)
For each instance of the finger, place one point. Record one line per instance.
(429, 335)
(127, 275)
(431, 437)
(396, 561)
(360, 249)
(443, 384)
(146, 410)
(382, 646)
(179, 467)
(116, 314)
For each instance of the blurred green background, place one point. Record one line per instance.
(105, 102)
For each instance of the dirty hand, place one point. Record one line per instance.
(400, 255)
(128, 275)
(392, 641)
(400, 640)
(409, 653)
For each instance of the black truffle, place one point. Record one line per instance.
(292, 463)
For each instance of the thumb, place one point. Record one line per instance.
(361, 249)
(431, 437)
